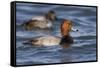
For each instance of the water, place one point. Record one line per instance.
(83, 49)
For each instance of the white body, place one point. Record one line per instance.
(42, 22)
(48, 40)
(40, 18)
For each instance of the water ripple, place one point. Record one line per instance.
(83, 49)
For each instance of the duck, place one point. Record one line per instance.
(49, 40)
(42, 22)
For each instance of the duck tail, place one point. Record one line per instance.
(30, 42)
(24, 23)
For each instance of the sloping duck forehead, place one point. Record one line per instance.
(66, 25)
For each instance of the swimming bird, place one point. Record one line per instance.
(66, 27)
(42, 22)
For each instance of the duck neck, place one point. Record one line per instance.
(66, 39)
(66, 36)
(49, 17)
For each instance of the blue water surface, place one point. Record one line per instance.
(83, 49)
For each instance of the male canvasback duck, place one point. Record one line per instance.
(41, 22)
(54, 40)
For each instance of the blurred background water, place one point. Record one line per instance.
(83, 49)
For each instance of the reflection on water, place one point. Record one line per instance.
(83, 49)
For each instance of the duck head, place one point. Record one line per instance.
(66, 27)
(51, 15)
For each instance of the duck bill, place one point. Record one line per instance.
(73, 29)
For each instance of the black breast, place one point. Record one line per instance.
(67, 39)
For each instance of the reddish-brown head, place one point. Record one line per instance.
(66, 27)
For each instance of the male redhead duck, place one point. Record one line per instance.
(41, 22)
(66, 27)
